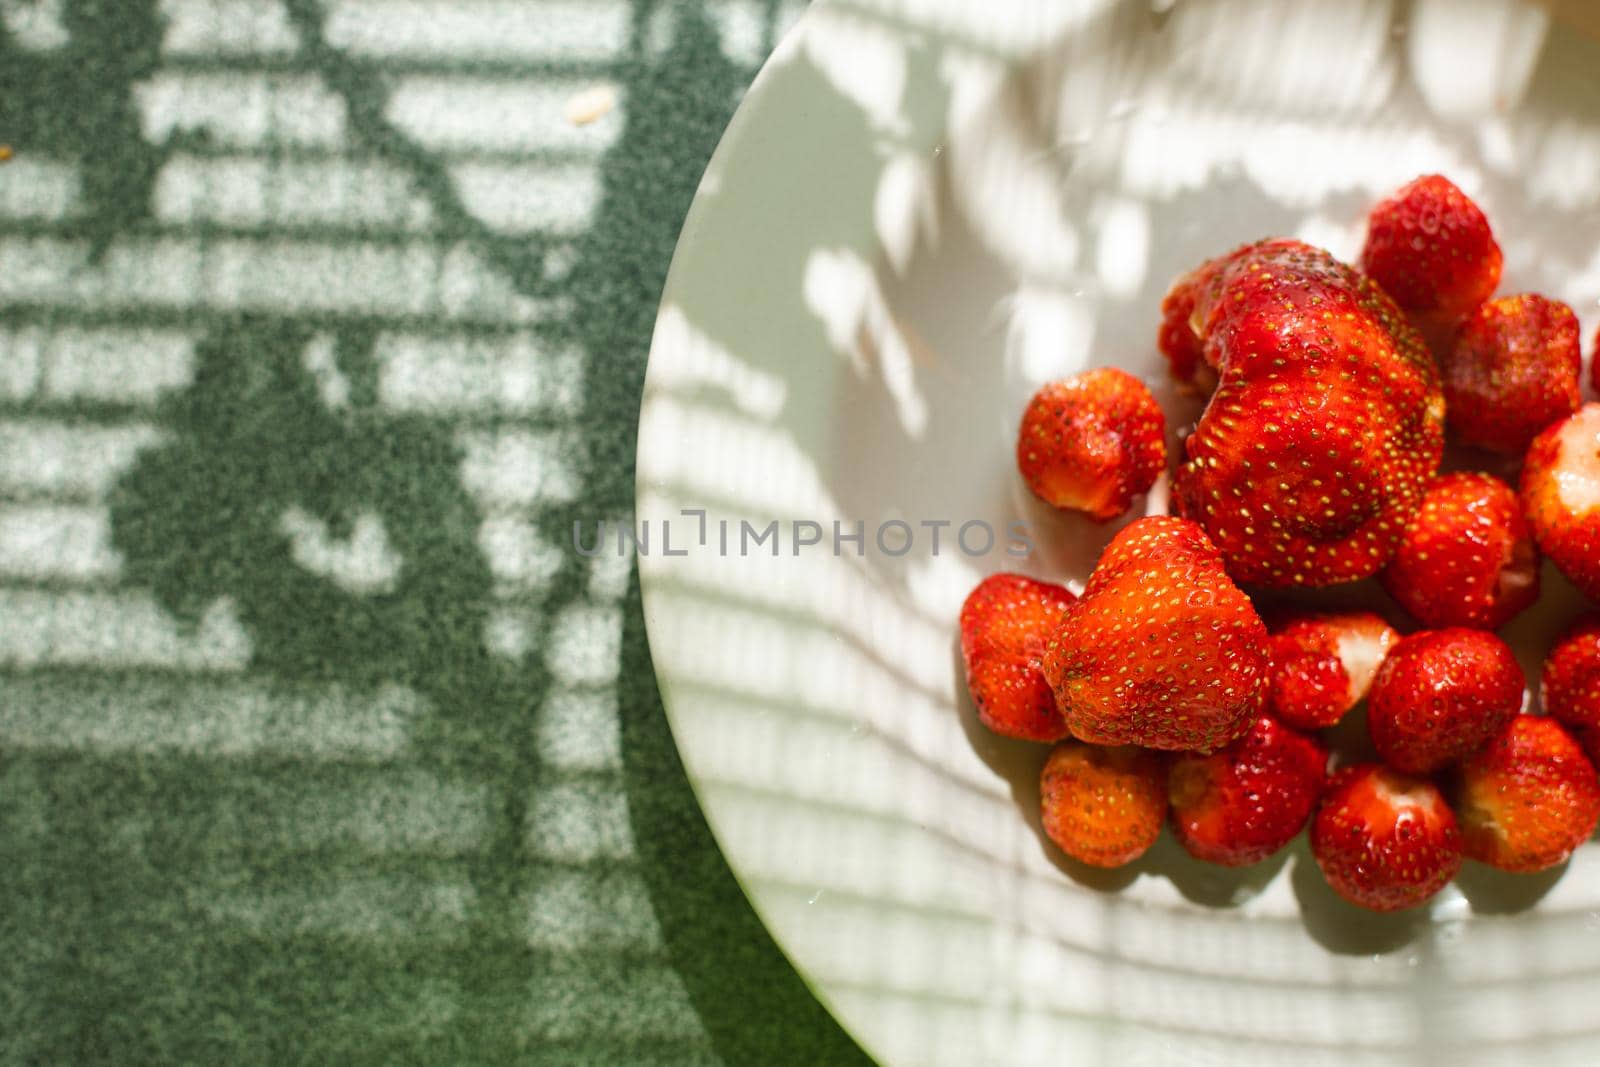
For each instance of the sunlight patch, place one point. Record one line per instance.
(364, 563)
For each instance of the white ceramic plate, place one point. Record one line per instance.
(924, 209)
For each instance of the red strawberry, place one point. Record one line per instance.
(1529, 798)
(1561, 496)
(1005, 624)
(1104, 806)
(1092, 442)
(1441, 695)
(1511, 371)
(1468, 557)
(1162, 650)
(1241, 804)
(1323, 665)
(1326, 424)
(1570, 684)
(1430, 247)
(1384, 840)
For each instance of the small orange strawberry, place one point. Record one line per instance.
(1104, 806)
(1092, 442)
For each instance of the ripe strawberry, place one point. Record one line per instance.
(1561, 496)
(1092, 442)
(1005, 624)
(1430, 247)
(1468, 557)
(1104, 806)
(1326, 424)
(1441, 695)
(1384, 840)
(1511, 371)
(1162, 649)
(1323, 665)
(1570, 684)
(1241, 804)
(1529, 798)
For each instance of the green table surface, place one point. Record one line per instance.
(321, 322)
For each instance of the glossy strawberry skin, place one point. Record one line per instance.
(1570, 682)
(1326, 423)
(1092, 442)
(1512, 369)
(1162, 650)
(1529, 798)
(1323, 665)
(1006, 623)
(1384, 840)
(1468, 557)
(1560, 493)
(1243, 803)
(1103, 806)
(1440, 696)
(1431, 249)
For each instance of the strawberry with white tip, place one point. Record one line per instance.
(1323, 665)
(1385, 840)
(1561, 496)
(1529, 799)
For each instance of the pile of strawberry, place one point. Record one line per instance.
(1316, 462)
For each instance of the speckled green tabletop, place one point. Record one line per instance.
(321, 322)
